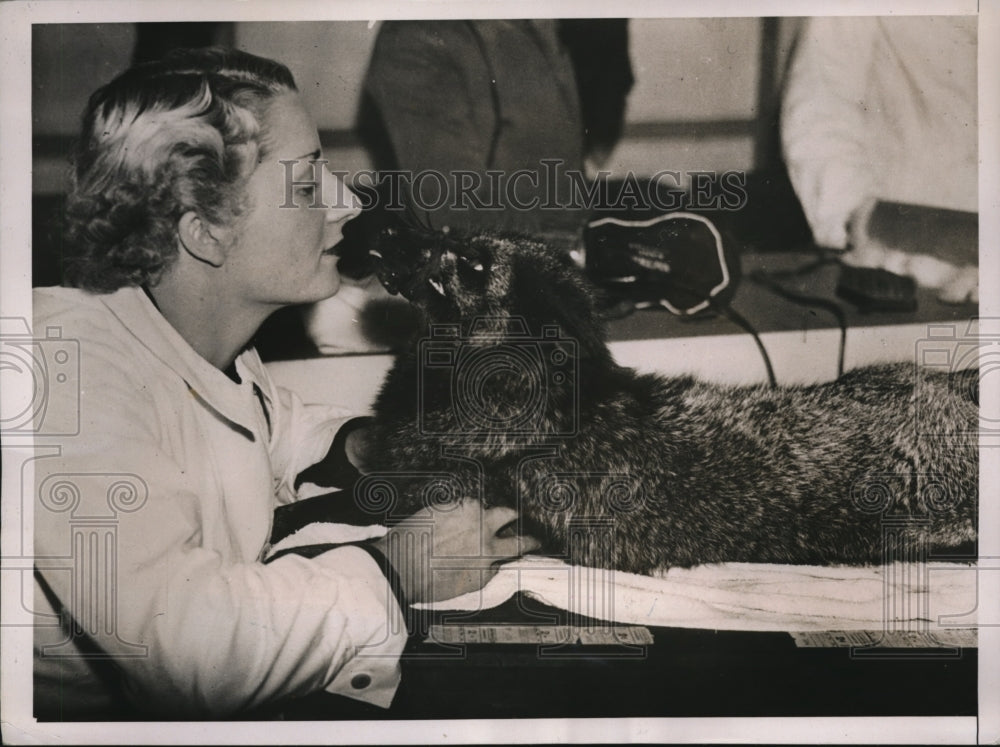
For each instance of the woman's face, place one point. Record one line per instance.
(297, 209)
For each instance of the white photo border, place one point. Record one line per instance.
(16, 20)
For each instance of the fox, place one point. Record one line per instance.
(510, 395)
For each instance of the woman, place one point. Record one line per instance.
(197, 212)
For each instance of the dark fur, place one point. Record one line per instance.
(640, 472)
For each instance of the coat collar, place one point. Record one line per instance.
(143, 320)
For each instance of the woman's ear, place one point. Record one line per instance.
(203, 241)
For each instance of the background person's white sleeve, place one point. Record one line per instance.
(824, 134)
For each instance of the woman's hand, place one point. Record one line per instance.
(444, 551)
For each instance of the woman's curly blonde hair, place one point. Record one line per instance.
(162, 139)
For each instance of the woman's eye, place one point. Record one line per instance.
(307, 190)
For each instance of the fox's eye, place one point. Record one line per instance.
(472, 271)
(473, 264)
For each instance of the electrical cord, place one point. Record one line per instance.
(771, 282)
(734, 316)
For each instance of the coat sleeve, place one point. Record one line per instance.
(303, 435)
(823, 123)
(430, 87)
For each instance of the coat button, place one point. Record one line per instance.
(361, 681)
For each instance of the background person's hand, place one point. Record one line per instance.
(452, 549)
(954, 281)
(863, 250)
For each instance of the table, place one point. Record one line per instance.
(684, 673)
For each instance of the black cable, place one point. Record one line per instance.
(730, 313)
(768, 281)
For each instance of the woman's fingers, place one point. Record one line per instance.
(500, 535)
(449, 550)
(510, 547)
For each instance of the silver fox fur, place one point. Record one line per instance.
(524, 406)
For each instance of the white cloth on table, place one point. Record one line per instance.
(739, 596)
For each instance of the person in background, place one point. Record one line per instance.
(160, 468)
(599, 51)
(478, 96)
(884, 110)
(528, 101)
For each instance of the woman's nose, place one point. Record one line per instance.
(345, 204)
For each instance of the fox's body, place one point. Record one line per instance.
(638, 472)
